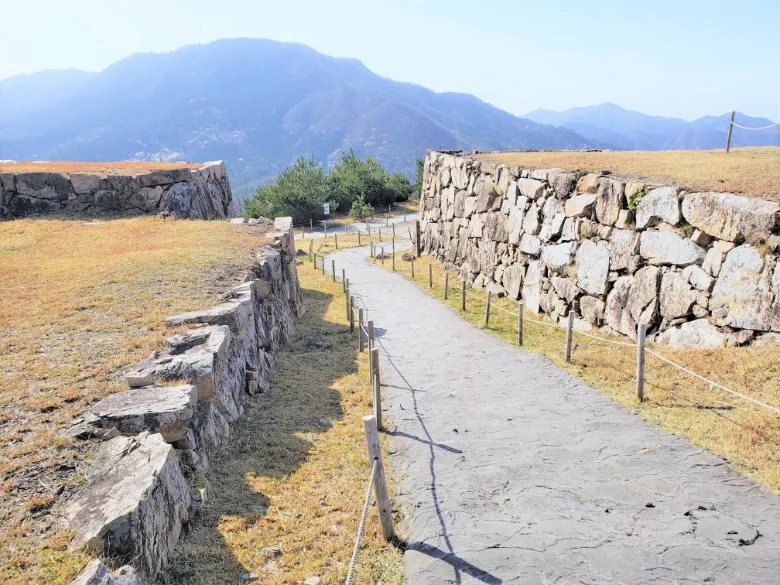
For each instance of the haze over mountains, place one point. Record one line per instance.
(259, 104)
(610, 126)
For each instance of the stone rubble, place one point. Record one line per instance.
(700, 269)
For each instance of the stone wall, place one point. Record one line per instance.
(202, 193)
(146, 480)
(700, 269)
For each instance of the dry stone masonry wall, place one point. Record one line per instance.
(145, 482)
(202, 193)
(700, 269)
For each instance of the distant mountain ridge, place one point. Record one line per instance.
(257, 104)
(611, 126)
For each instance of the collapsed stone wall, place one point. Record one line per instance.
(699, 268)
(202, 193)
(146, 480)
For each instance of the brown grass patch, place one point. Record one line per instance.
(753, 171)
(289, 488)
(80, 303)
(100, 168)
(744, 434)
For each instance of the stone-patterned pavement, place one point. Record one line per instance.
(509, 470)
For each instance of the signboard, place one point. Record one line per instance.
(326, 207)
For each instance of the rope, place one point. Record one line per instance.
(362, 525)
(623, 343)
(700, 377)
(745, 127)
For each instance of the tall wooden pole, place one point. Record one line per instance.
(731, 127)
(641, 333)
(417, 239)
(520, 309)
(569, 329)
(487, 310)
(463, 296)
(371, 429)
(446, 285)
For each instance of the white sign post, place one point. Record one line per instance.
(326, 208)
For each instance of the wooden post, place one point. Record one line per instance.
(359, 244)
(323, 265)
(371, 249)
(371, 428)
(314, 260)
(344, 279)
(393, 231)
(382, 254)
(311, 225)
(393, 259)
(351, 313)
(520, 309)
(446, 285)
(417, 240)
(731, 127)
(370, 355)
(303, 233)
(430, 275)
(311, 248)
(333, 269)
(377, 387)
(360, 329)
(487, 310)
(371, 334)
(346, 296)
(326, 229)
(380, 234)
(412, 266)
(463, 296)
(569, 330)
(410, 235)
(368, 227)
(387, 220)
(641, 332)
(336, 238)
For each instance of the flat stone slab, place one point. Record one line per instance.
(158, 409)
(511, 471)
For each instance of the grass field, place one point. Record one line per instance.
(747, 436)
(80, 303)
(109, 168)
(290, 485)
(751, 171)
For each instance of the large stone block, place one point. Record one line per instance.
(623, 246)
(633, 300)
(580, 206)
(677, 297)
(699, 334)
(135, 503)
(661, 204)
(558, 257)
(610, 199)
(663, 247)
(532, 285)
(51, 186)
(731, 217)
(593, 267)
(512, 279)
(530, 188)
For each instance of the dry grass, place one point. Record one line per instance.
(101, 168)
(751, 171)
(747, 436)
(290, 489)
(81, 302)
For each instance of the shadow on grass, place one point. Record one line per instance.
(264, 444)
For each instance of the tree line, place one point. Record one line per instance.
(354, 185)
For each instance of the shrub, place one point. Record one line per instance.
(360, 208)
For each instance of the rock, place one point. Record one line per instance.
(767, 340)
(532, 286)
(147, 198)
(51, 186)
(530, 188)
(698, 277)
(177, 200)
(730, 217)
(511, 193)
(739, 338)
(558, 257)
(530, 245)
(661, 247)
(592, 310)
(487, 196)
(661, 204)
(633, 300)
(625, 220)
(743, 289)
(588, 183)
(592, 267)
(580, 206)
(552, 226)
(610, 200)
(515, 225)
(712, 261)
(108, 200)
(135, 502)
(774, 243)
(570, 230)
(95, 573)
(238, 220)
(531, 223)
(723, 246)
(157, 409)
(84, 183)
(312, 581)
(496, 227)
(677, 297)
(700, 334)
(562, 182)
(699, 237)
(208, 430)
(566, 288)
(700, 312)
(512, 279)
(623, 245)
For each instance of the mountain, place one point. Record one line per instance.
(255, 103)
(611, 126)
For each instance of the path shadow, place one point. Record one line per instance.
(273, 439)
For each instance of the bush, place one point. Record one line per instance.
(352, 178)
(360, 208)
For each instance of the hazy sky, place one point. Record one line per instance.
(682, 58)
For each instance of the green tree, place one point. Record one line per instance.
(299, 191)
(353, 177)
(417, 187)
(360, 208)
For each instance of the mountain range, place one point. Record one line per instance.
(259, 104)
(610, 126)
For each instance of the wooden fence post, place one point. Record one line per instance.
(446, 285)
(417, 239)
(323, 265)
(333, 269)
(346, 295)
(412, 266)
(463, 296)
(360, 329)
(731, 127)
(487, 310)
(430, 275)
(344, 279)
(371, 429)
(359, 238)
(393, 231)
(311, 225)
(569, 330)
(370, 355)
(377, 387)
(311, 248)
(393, 258)
(382, 255)
(371, 334)
(336, 238)
(520, 309)
(380, 234)
(640, 361)
(351, 313)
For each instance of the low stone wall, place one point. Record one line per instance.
(145, 482)
(700, 269)
(202, 193)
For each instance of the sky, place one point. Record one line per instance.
(676, 58)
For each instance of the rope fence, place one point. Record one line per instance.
(733, 124)
(362, 525)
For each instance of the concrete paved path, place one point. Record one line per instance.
(511, 471)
